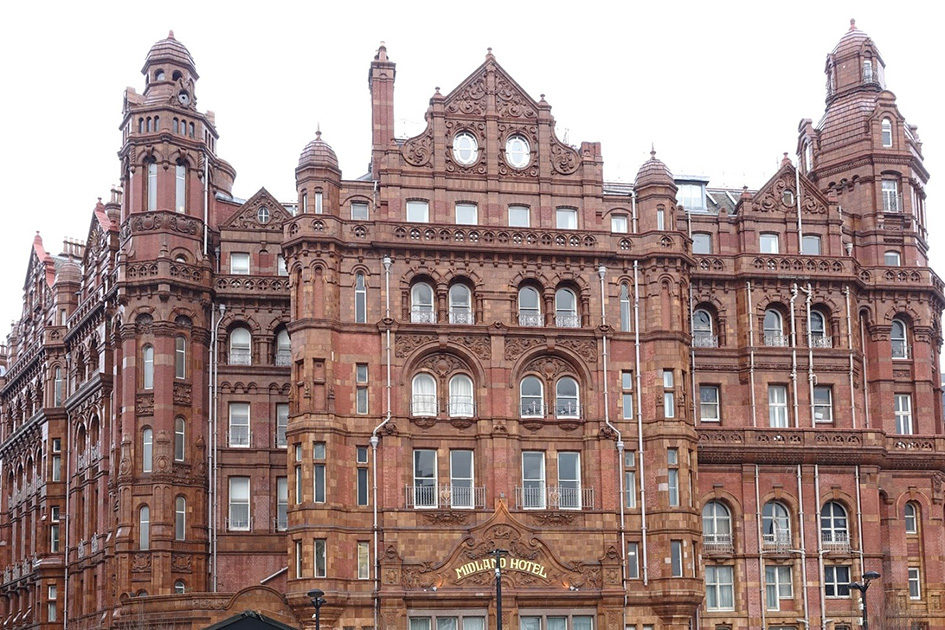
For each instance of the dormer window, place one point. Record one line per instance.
(886, 132)
(691, 196)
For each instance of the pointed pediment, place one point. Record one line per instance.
(260, 212)
(490, 89)
(778, 194)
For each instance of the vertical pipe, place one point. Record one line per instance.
(206, 205)
(866, 391)
(636, 342)
(210, 495)
(68, 518)
(859, 520)
(797, 420)
(803, 549)
(374, 441)
(751, 355)
(811, 378)
(633, 205)
(797, 199)
(761, 560)
(846, 293)
(820, 549)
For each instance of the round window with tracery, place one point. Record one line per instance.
(262, 215)
(465, 148)
(517, 152)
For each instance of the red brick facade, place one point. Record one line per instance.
(674, 407)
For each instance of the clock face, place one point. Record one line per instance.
(184, 98)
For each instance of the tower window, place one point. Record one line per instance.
(152, 182)
(180, 186)
(159, 75)
(263, 215)
(890, 195)
(867, 71)
(886, 132)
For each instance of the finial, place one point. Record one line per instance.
(785, 161)
(381, 52)
(170, 34)
(318, 131)
(745, 193)
(852, 24)
(652, 151)
(489, 55)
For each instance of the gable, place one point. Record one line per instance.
(770, 198)
(490, 89)
(247, 216)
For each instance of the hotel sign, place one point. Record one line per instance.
(510, 564)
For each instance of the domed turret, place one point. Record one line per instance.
(653, 171)
(171, 51)
(318, 153)
(68, 271)
(854, 65)
(851, 42)
(317, 177)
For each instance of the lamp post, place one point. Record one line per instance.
(498, 586)
(863, 586)
(317, 600)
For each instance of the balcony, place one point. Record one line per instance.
(717, 543)
(705, 340)
(567, 409)
(238, 437)
(422, 316)
(461, 316)
(423, 405)
(461, 407)
(530, 319)
(447, 496)
(240, 356)
(241, 523)
(533, 409)
(540, 497)
(822, 341)
(567, 320)
(778, 542)
(835, 541)
(283, 358)
(776, 340)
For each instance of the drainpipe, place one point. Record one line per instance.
(692, 349)
(859, 519)
(803, 549)
(761, 560)
(206, 205)
(794, 355)
(375, 439)
(820, 550)
(602, 271)
(866, 391)
(210, 400)
(636, 343)
(214, 431)
(811, 378)
(846, 294)
(751, 355)
(67, 516)
(633, 205)
(797, 199)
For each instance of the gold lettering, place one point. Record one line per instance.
(541, 572)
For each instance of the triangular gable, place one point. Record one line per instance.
(38, 256)
(473, 97)
(246, 216)
(770, 197)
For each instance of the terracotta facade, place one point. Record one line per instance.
(673, 406)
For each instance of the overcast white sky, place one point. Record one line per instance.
(718, 87)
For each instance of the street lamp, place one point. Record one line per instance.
(498, 586)
(317, 600)
(868, 577)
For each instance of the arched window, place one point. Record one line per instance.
(867, 71)
(911, 518)
(179, 436)
(899, 340)
(716, 526)
(531, 397)
(424, 395)
(179, 587)
(421, 304)
(773, 329)
(776, 525)
(892, 259)
(283, 348)
(566, 315)
(180, 187)
(461, 396)
(808, 155)
(833, 526)
(241, 342)
(147, 450)
(529, 307)
(460, 304)
(818, 330)
(567, 403)
(144, 528)
(702, 329)
(360, 299)
(147, 361)
(57, 387)
(180, 356)
(152, 184)
(886, 132)
(624, 307)
(180, 518)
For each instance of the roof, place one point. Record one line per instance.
(250, 620)
(318, 153)
(653, 171)
(169, 49)
(851, 42)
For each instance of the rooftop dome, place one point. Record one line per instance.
(851, 41)
(653, 171)
(68, 271)
(170, 50)
(318, 153)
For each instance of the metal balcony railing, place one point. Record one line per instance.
(241, 523)
(567, 409)
(541, 497)
(567, 320)
(423, 405)
(454, 496)
(461, 316)
(717, 543)
(530, 319)
(238, 437)
(778, 541)
(283, 358)
(240, 356)
(532, 409)
(822, 341)
(835, 541)
(422, 316)
(776, 339)
(461, 406)
(705, 340)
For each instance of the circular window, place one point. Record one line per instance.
(465, 148)
(262, 215)
(517, 153)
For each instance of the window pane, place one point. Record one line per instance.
(359, 211)
(467, 214)
(519, 216)
(418, 212)
(566, 218)
(701, 243)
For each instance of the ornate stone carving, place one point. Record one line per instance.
(480, 345)
(510, 101)
(442, 364)
(553, 519)
(445, 517)
(564, 159)
(516, 346)
(182, 393)
(141, 562)
(144, 404)
(471, 99)
(549, 367)
(584, 348)
(418, 150)
(406, 343)
(181, 563)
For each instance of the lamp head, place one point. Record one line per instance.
(857, 586)
(316, 596)
(871, 575)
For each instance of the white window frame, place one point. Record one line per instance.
(459, 406)
(239, 264)
(462, 483)
(422, 311)
(238, 441)
(619, 224)
(915, 583)
(911, 518)
(677, 569)
(426, 488)
(902, 407)
(319, 472)
(890, 192)
(886, 132)
(823, 407)
(669, 394)
(360, 299)
(520, 216)
(418, 211)
(567, 406)
(360, 211)
(282, 503)
(320, 558)
(835, 583)
(633, 561)
(566, 316)
(364, 560)
(240, 347)
(180, 357)
(892, 258)
(626, 396)
(701, 243)
(147, 359)
(569, 487)
(709, 396)
(630, 479)
(180, 518)
(147, 450)
(529, 315)
(237, 486)
(811, 245)
(423, 404)
(716, 523)
(566, 218)
(282, 423)
(144, 528)
(533, 488)
(460, 312)
(180, 438)
(180, 187)
(769, 243)
(362, 393)
(466, 213)
(779, 585)
(899, 339)
(834, 526)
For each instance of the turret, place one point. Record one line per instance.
(656, 195)
(318, 178)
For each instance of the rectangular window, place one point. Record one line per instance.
(836, 581)
(364, 561)
(281, 269)
(719, 586)
(619, 224)
(903, 413)
(891, 259)
(54, 538)
(361, 378)
(239, 264)
(282, 503)
(709, 403)
(777, 406)
(180, 357)
(56, 464)
(890, 195)
(669, 396)
(569, 481)
(318, 471)
(359, 211)
(462, 487)
(915, 591)
(320, 558)
(362, 486)
(691, 197)
(519, 216)
(566, 218)
(239, 518)
(675, 558)
(810, 245)
(672, 478)
(633, 561)
(467, 214)
(823, 403)
(152, 185)
(239, 425)
(318, 202)
(180, 187)
(282, 422)
(533, 480)
(701, 243)
(626, 388)
(417, 212)
(778, 585)
(298, 485)
(51, 606)
(769, 243)
(424, 478)
(630, 478)
(298, 558)
(660, 218)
